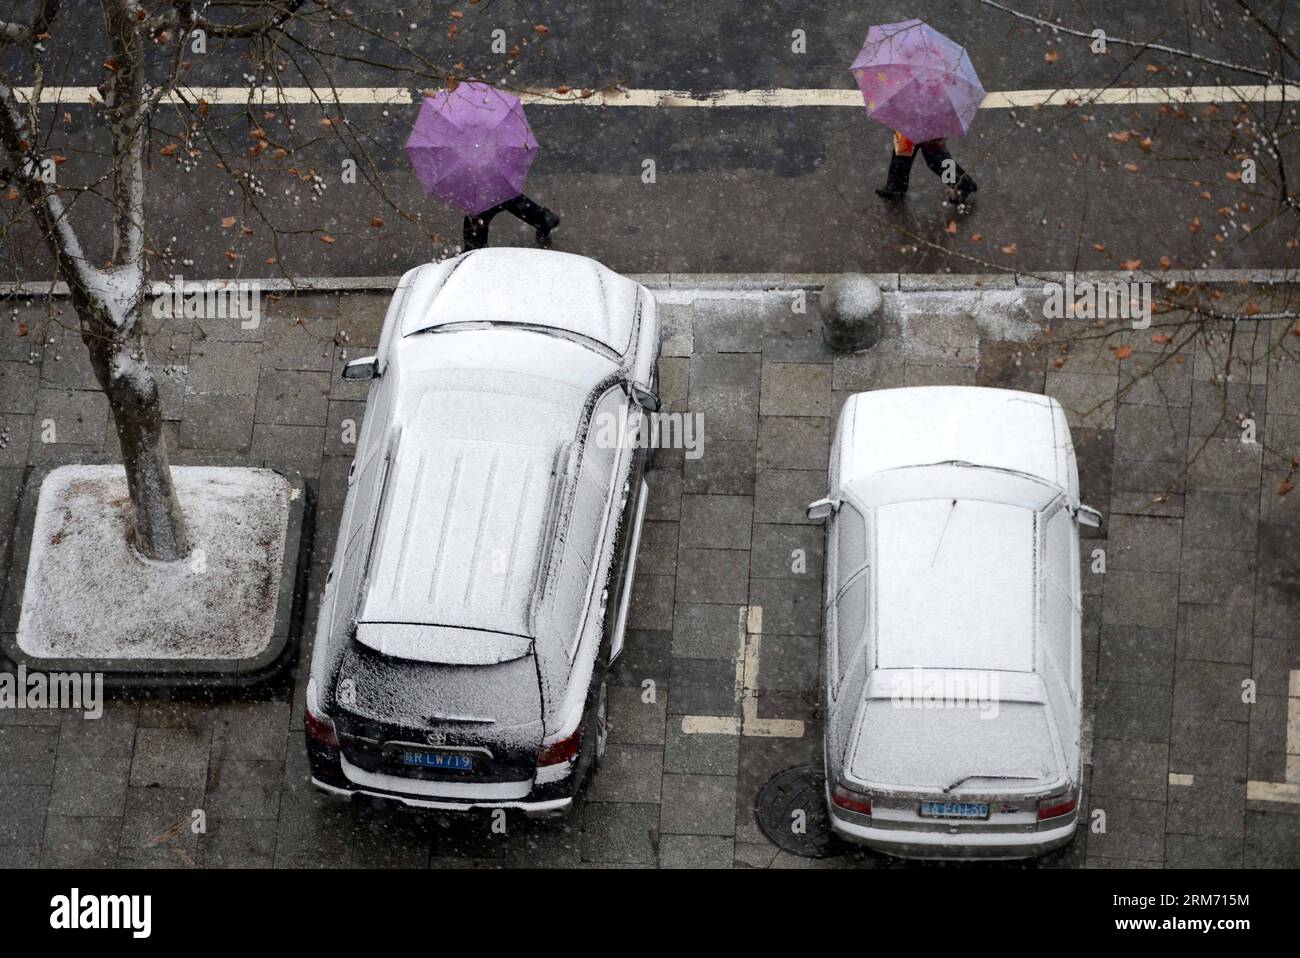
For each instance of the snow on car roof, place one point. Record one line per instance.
(955, 585)
(466, 501)
(524, 286)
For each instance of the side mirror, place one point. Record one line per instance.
(1088, 516)
(363, 369)
(821, 509)
(647, 399)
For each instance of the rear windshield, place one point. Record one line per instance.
(419, 694)
(927, 747)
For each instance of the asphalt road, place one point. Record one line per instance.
(735, 189)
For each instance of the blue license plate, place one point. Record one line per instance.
(450, 761)
(954, 809)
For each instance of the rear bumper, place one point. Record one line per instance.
(540, 808)
(906, 843)
(332, 773)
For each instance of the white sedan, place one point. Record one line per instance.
(952, 679)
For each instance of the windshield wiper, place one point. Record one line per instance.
(995, 778)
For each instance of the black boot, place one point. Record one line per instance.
(549, 222)
(966, 185)
(900, 168)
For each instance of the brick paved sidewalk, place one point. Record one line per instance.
(1201, 592)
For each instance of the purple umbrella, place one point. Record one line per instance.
(917, 81)
(472, 146)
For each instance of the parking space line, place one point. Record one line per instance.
(749, 627)
(1293, 729)
(777, 97)
(1288, 791)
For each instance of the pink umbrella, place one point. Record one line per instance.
(917, 81)
(472, 146)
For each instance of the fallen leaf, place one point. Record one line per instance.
(539, 28)
(1131, 167)
(169, 149)
(376, 222)
(1051, 56)
(951, 228)
(1166, 262)
(1009, 249)
(1122, 352)
(1058, 363)
(1195, 225)
(1284, 487)
(227, 222)
(327, 238)
(1120, 137)
(976, 237)
(1099, 247)
(1131, 264)
(1161, 339)
(1146, 144)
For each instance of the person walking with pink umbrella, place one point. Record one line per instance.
(922, 85)
(472, 147)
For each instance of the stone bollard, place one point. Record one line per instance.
(851, 315)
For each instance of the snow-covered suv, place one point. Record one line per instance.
(484, 566)
(952, 627)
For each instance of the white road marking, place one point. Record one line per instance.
(1288, 791)
(1293, 729)
(749, 625)
(710, 725)
(1177, 778)
(1272, 792)
(779, 97)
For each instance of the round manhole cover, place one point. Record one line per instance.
(791, 811)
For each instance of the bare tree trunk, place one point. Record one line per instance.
(110, 329)
(132, 391)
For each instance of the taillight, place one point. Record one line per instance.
(556, 753)
(1054, 806)
(850, 800)
(320, 729)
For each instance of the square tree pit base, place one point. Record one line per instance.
(80, 599)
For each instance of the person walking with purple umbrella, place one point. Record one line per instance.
(923, 86)
(472, 147)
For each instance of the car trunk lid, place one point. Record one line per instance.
(440, 720)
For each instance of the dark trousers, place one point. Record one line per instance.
(934, 152)
(476, 227)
